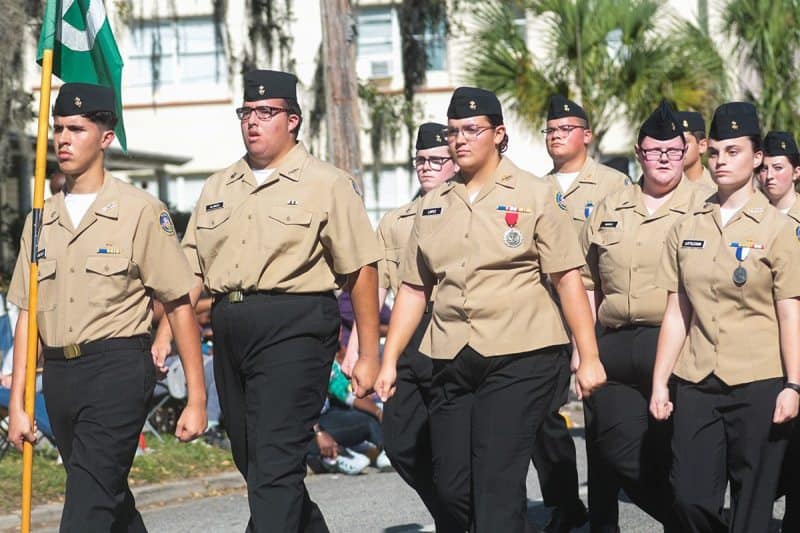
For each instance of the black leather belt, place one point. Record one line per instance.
(235, 297)
(74, 351)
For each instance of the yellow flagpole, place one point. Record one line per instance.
(33, 288)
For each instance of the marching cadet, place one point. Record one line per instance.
(485, 239)
(271, 237)
(622, 240)
(694, 131)
(581, 183)
(405, 418)
(730, 337)
(780, 172)
(105, 250)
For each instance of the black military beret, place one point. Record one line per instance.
(662, 124)
(734, 119)
(431, 135)
(691, 121)
(561, 107)
(265, 84)
(780, 143)
(472, 102)
(82, 98)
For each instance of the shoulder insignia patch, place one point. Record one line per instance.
(166, 223)
(560, 201)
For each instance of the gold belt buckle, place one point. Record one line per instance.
(72, 351)
(235, 297)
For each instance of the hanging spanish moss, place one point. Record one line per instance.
(269, 32)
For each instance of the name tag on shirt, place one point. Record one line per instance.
(431, 211)
(609, 224)
(693, 243)
(215, 205)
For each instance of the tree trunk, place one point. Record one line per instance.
(341, 90)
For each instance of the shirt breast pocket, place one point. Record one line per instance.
(288, 228)
(608, 244)
(107, 278)
(48, 294)
(212, 231)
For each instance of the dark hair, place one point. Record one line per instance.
(105, 119)
(755, 140)
(699, 134)
(794, 160)
(497, 120)
(294, 109)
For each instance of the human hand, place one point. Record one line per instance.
(660, 406)
(20, 429)
(364, 374)
(385, 384)
(590, 375)
(327, 445)
(192, 423)
(786, 406)
(160, 350)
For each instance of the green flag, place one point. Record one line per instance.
(83, 47)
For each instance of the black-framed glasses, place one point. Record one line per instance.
(263, 112)
(435, 163)
(564, 130)
(470, 132)
(655, 154)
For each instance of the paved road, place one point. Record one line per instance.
(370, 503)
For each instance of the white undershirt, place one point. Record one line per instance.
(785, 211)
(472, 196)
(77, 205)
(262, 175)
(565, 179)
(726, 213)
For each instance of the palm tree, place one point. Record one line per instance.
(615, 57)
(770, 34)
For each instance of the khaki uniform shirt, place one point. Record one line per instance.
(594, 182)
(394, 231)
(706, 179)
(734, 330)
(96, 281)
(623, 244)
(300, 231)
(794, 214)
(490, 294)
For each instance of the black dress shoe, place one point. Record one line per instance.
(564, 520)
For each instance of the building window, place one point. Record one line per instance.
(375, 43)
(435, 43)
(175, 52)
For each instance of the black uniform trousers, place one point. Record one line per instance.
(626, 447)
(485, 414)
(724, 433)
(272, 361)
(554, 450)
(97, 406)
(790, 482)
(406, 427)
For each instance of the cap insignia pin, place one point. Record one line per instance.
(261, 90)
(734, 125)
(566, 107)
(685, 123)
(78, 102)
(472, 105)
(438, 138)
(783, 145)
(673, 126)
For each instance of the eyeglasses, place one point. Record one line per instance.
(564, 130)
(436, 163)
(470, 132)
(263, 112)
(655, 154)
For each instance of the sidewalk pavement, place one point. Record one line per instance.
(146, 496)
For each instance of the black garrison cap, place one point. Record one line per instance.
(691, 121)
(734, 119)
(661, 125)
(264, 84)
(431, 135)
(561, 107)
(82, 98)
(780, 143)
(472, 102)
